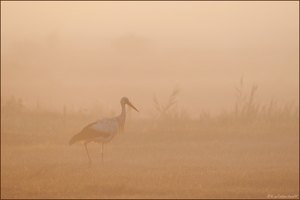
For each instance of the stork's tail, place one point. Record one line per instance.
(74, 139)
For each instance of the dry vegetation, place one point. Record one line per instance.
(251, 152)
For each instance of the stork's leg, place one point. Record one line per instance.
(90, 161)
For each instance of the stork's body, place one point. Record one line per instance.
(102, 131)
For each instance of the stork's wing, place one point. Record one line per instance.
(100, 129)
(105, 125)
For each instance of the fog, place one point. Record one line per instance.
(79, 54)
(216, 85)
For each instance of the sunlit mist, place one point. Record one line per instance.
(215, 86)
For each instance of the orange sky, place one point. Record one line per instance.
(79, 53)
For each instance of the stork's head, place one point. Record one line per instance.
(125, 101)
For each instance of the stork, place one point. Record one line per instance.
(102, 131)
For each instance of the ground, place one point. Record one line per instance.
(195, 161)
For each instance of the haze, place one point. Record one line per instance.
(84, 53)
(216, 85)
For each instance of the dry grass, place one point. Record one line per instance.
(195, 159)
(249, 152)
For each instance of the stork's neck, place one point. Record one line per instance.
(122, 117)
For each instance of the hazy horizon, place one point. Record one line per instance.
(80, 53)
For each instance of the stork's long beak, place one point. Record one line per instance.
(132, 106)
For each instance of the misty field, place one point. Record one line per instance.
(154, 158)
(66, 64)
